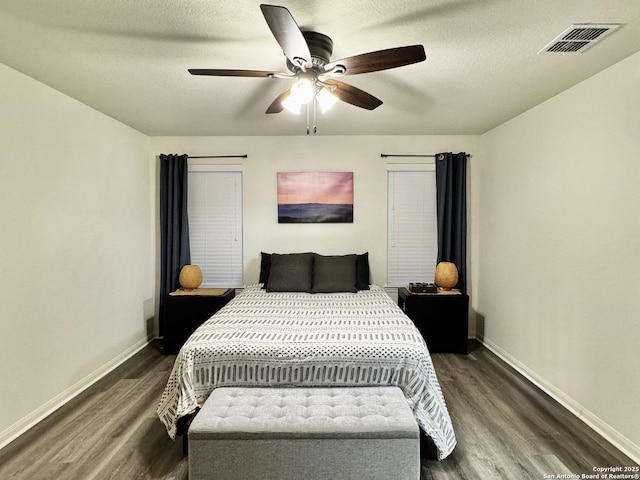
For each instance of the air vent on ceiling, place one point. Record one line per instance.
(579, 37)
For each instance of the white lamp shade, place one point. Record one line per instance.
(326, 99)
(303, 91)
(292, 105)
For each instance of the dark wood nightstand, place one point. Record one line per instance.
(443, 319)
(186, 310)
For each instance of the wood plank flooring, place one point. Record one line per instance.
(110, 431)
(506, 428)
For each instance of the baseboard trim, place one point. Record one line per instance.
(614, 437)
(21, 426)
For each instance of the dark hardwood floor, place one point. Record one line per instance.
(110, 431)
(506, 428)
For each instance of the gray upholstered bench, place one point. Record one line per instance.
(305, 433)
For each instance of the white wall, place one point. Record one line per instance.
(554, 241)
(358, 154)
(557, 275)
(76, 247)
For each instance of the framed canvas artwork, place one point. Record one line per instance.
(315, 197)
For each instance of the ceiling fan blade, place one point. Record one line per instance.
(277, 106)
(219, 72)
(350, 94)
(287, 34)
(380, 60)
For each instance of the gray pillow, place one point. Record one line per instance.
(335, 273)
(291, 272)
(362, 272)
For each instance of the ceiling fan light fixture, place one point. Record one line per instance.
(292, 105)
(303, 91)
(326, 99)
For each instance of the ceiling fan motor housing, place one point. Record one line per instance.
(320, 47)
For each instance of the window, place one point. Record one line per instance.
(215, 223)
(412, 231)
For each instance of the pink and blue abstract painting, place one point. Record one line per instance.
(315, 197)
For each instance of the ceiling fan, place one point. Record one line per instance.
(308, 57)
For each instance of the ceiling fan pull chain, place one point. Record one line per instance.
(307, 119)
(315, 103)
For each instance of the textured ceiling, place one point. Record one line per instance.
(129, 59)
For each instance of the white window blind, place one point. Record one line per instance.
(215, 223)
(412, 231)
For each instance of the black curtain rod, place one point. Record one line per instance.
(220, 156)
(385, 155)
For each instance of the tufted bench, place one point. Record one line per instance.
(305, 433)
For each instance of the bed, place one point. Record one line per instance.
(286, 331)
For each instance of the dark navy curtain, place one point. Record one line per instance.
(174, 225)
(451, 188)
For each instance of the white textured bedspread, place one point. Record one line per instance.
(302, 339)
